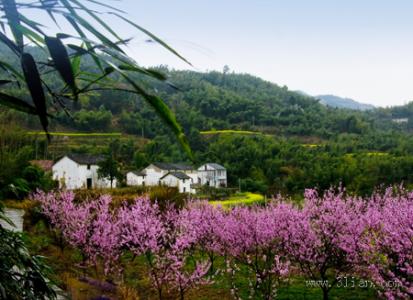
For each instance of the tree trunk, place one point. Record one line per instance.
(325, 293)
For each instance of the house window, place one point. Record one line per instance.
(184, 189)
(88, 167)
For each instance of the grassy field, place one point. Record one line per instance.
(242, 132)
(240, 199)
(77, 134)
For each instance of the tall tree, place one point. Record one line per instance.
(109, 168)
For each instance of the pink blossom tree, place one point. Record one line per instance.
(250, 240)
(388, 244)
(324, 239)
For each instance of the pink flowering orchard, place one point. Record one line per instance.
(332, 235)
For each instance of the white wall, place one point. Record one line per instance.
(133, 180)
(72, 175)
(211, 176)
(66, 172)
(153, 175)
(184, 186)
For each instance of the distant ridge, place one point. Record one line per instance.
(339, 102)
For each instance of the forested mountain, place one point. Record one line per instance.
(301, 142)
(340, 102)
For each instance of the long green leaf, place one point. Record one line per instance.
(9, 43)
(77, 18)
(9, 68)
(61, 61)
(17, 104)
(34, 25)
(30, 34)
(151, 35)
(161, 109)
(12, 16)
(87, 43)
(3, 82)
(99, 20)
(148, 72)
(34, 83)
(47, 5)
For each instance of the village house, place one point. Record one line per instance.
(180, 180)
(152, 174)
(212, 174)
(77, 171)
(182, 176)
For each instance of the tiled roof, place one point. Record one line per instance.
(178, 175)
(172, 166)
(139, 173)
(85, 159)
(216, 166)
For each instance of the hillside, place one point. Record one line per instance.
(269, 138)
(340, 102)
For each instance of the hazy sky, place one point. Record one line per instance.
(361, 49)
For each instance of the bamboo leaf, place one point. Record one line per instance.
(99, 20)
(34, 84)
(17, 104)
(3, 82)
(161, 109)
(9, 68)
(9, 43)
(48, 6)
(87, 43)
(75, 16)
(36, 26)
(148, 72)
(31, 35)
(61, 61)
(12, 16)
(151, 35)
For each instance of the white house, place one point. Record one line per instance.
(213, 175)
(180, 180)
(135, 178)
(182, 176)
(153, 173)
(77, 171)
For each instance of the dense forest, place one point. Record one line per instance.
(294, 141)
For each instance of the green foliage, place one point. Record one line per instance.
(22, 276)
(109, 168)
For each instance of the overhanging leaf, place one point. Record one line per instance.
(148, 72)
(151, 35)
(9, 43)
(34, 84)
(3, 82)
(17, 104)
(61, 61)
(162, 110)
(12, 16)
(99, 20)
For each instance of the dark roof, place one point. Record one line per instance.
(139, 173)
(216, 166)
(172, 167)
(85, 159)
(178, 175)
